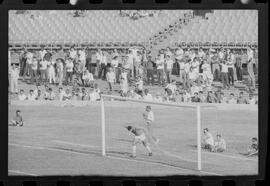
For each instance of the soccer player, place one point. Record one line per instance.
(208, 140)
(140, 137)
(17, 121)
(220, 144)
(148, 116)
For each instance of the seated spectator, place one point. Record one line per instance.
(158, 98)
(37, 89)
(253, 148)
(147, 96)
(217, 94)
(194, 88)
(88, 79)
(84, 95)
(231, 99)
(172, 87)
(18, 120)
(21, 95)
(31, 96)
(39, 95)
(202, 97)
(211, 98)
(67, 95)
(134, 95)
(241, 99)
(187, 96)
(252, 100)
(220, 144)
(195, 98)
(61, 94)
(50, 95)
(74, 96)
(97, 92)
(222, 99)
(94, 95)
(207, 140)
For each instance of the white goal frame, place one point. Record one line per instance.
(194, 106)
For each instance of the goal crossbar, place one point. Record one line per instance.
(194, 106)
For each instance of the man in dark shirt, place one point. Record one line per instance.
(196, 98)
(241, 99)
(150, 71)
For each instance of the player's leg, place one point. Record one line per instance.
(134, 146)
(146, 145)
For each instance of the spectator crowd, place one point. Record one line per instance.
(134, 68)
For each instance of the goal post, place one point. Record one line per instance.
(182, 105)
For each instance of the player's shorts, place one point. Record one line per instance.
(140, 138)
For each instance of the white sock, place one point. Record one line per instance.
(134, 150)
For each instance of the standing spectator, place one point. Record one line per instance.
(160, 70)
(43, 70)
(239, 69)
(82, 58)
(123, 86)
(252, 83)
(168, 67)
(115, 66)
(150, 71)
(29, 58)
(51, 71)
(69, 70)
(73, 54)
(103, 66)
(110, 76)
(241, 99)
(224, 74)
(216, 67)
(230, 63)
(22, 60)
(14, 76)
(34, 67)
(59, 71)
(98, 60)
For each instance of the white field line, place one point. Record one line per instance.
(22, 172)
(156, 163)
(227, 156)
(92, 146)
(80, 153)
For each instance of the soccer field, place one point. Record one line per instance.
(67, 141)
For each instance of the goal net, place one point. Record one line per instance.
(176, 126)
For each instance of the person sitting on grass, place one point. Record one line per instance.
(88, 78)
(67, 95)
(140, 137)
(31, 96)
(253, 148)
(220, 144)
(18, 120)
(207, 140)
(39, 95)
(21, 95)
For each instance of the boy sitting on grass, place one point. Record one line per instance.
(220, 144)
(17, 121)
(140, 137)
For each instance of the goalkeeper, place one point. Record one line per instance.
(140, 137)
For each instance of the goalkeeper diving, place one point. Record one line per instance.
(140, 137)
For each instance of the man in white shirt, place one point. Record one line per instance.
(219, 144)
(201, 53)
(110, 76)
(69, 70)
(232, 99)
(207, 140)
(179, 52)
(230, 64)
(29, 58)
(42, 53)
(31, 96)
(61, 93)
(14, 76)
(21, 95)
(160, 70)
(224, 74)
(168, 67)
(148, 116)
(172, 86)
(147, 96)
(103, 66)
(72, 53)
(252, 100)
(43, 70)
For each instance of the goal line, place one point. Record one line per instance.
(191, 106)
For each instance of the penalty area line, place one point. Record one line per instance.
(160, 164)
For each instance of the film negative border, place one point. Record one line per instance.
(141, 181)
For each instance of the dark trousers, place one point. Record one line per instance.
(150, 76)
(168, 75)
(69, 77)
(239, 73)
(34, 76)
(160, 76)
(102, 71)
(22, 66)
(92, 68)
(231, 75)
(224, 79)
